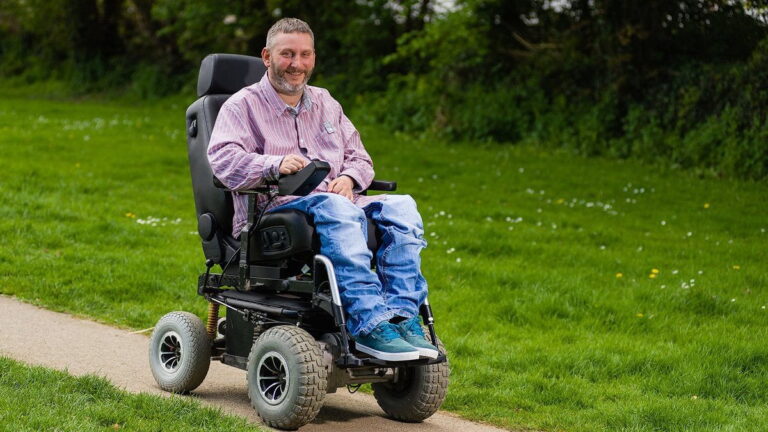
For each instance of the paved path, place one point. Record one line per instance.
(55, 340)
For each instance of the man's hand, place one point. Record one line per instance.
(292, 163)
(342, 185)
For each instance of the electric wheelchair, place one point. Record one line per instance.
(284, 322)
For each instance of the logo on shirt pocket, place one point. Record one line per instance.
(328, 127)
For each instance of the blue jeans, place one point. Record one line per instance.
(397, 288)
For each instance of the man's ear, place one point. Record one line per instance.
(265, 57)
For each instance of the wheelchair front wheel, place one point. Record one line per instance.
(287, 379)
(416, 393)
(179, 352)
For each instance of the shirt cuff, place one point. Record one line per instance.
(355, 176)
(271, 170)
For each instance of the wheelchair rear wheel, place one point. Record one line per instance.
(179, 352)
(287, 379)
(416, 393)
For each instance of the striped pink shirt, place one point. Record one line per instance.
(255, 129)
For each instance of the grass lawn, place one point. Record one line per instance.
(36, 399)
(573, 294)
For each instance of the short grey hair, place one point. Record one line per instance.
(288, 25)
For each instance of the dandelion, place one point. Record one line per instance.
(639, 315)
(559, 201)
(655, 271)
(706, 205)
(619, 275)
(130, 215)
(652, 275)
(737, 267)
(694, 397)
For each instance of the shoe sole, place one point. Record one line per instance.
(429, 353)
(388, 356)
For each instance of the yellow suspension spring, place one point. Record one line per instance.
(213, 319)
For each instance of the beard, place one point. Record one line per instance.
(277, 77)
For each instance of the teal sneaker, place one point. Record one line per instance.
(412, 333)
(384, 342)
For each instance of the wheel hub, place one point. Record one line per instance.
(170, 351)
(272, 377)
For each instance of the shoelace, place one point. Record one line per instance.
(413, 327)
(387, 332)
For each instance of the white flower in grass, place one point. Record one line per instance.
(663, 223)
(458, 260)
(674, 272)
(521, 170)
(733, 300)
(602, 247)
(450, 251)
(689, 234)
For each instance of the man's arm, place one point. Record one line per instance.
(357, 164)
(235, 153)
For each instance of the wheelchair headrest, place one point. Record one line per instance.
(228, 73)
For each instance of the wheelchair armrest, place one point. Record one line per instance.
(299, 183)
(258, 190)
(382, 185)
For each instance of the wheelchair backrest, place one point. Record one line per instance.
(220, 76)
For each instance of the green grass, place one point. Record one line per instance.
(37, 399)
(523, 262)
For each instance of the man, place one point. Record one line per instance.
(275, 127)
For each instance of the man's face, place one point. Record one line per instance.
(290, 62)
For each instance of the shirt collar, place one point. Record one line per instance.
(274, 99)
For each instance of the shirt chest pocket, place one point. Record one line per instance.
(329, 146)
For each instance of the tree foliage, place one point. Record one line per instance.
(676, 80)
